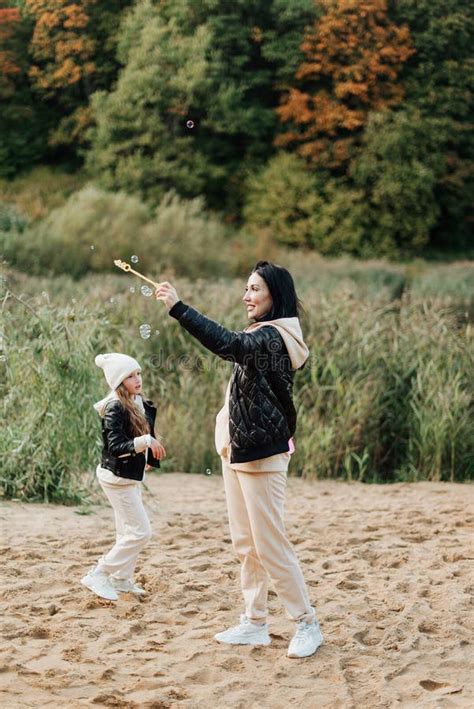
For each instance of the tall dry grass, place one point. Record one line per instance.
(387, 393)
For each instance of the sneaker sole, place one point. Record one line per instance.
(106, 598)
(134, 593)
(300, 657)
(265, 643)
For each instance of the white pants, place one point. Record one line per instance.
(133, 530)
(255, 503)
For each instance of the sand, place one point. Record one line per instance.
(387, 569)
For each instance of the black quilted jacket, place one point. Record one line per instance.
(262, 416)
(118, 452)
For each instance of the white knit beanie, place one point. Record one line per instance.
(116, 367)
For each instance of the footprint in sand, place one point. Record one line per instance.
(428, 628)
(202, 676)
(111, 700)
(39, 632)
(189, 612)
(440, 687)
(200, 567)
(232, 664)
(72, 654)
(347, 585)
(368, 637)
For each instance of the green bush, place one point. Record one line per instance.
(283, 198)
(88, 232)
(49, 437)
(40, 190)
(402, 160)
(185, 239)
(94, 227)
(11, 218)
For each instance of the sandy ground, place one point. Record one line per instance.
(387, 568)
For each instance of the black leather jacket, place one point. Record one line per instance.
(262, 416)
(118, 452)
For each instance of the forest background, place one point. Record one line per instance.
(334, 137)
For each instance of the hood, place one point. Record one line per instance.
(99, 406)
(290, 330)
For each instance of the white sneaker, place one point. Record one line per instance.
(127, 586)
(100, 584)
(247, 633)
(306, 640)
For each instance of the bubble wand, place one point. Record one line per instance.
(126, 267)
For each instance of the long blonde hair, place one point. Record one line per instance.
(138, 421)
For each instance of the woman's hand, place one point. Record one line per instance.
(157, 449)
(167, 293)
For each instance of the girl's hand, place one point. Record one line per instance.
(167, 293)
(157, 449)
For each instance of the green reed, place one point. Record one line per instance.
(386, 395)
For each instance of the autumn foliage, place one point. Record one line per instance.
(61, 46)
(9, 65)
(354, 54)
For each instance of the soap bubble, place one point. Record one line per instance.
(145, 331)
(132, 289)
(208, 471)
(146, 290)
(134, 259)
(190, 124)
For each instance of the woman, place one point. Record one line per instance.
(129, 448)
(253, 432)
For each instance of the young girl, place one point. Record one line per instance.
(253, 437)
(129, 448)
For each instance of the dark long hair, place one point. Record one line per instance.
(286, 303)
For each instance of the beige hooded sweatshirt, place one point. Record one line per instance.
(290, 330)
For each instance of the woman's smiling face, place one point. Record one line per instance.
(257, 297)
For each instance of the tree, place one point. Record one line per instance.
(141, 142)
(283, 198)
(439, 81)
(72, 53)
(354, 54)
(253, 46)
(402, 158)
(247, 47)
(23, 125)
(61, 48)
(10, 67)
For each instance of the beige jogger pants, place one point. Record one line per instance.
(132, 526)
(255, 503)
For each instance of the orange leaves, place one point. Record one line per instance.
(256, 35)
(9, 67)
(75, 17)
(353, 54)
(60, 45)
(8, 16)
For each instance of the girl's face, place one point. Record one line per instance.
(133, 383)
(257, 297)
